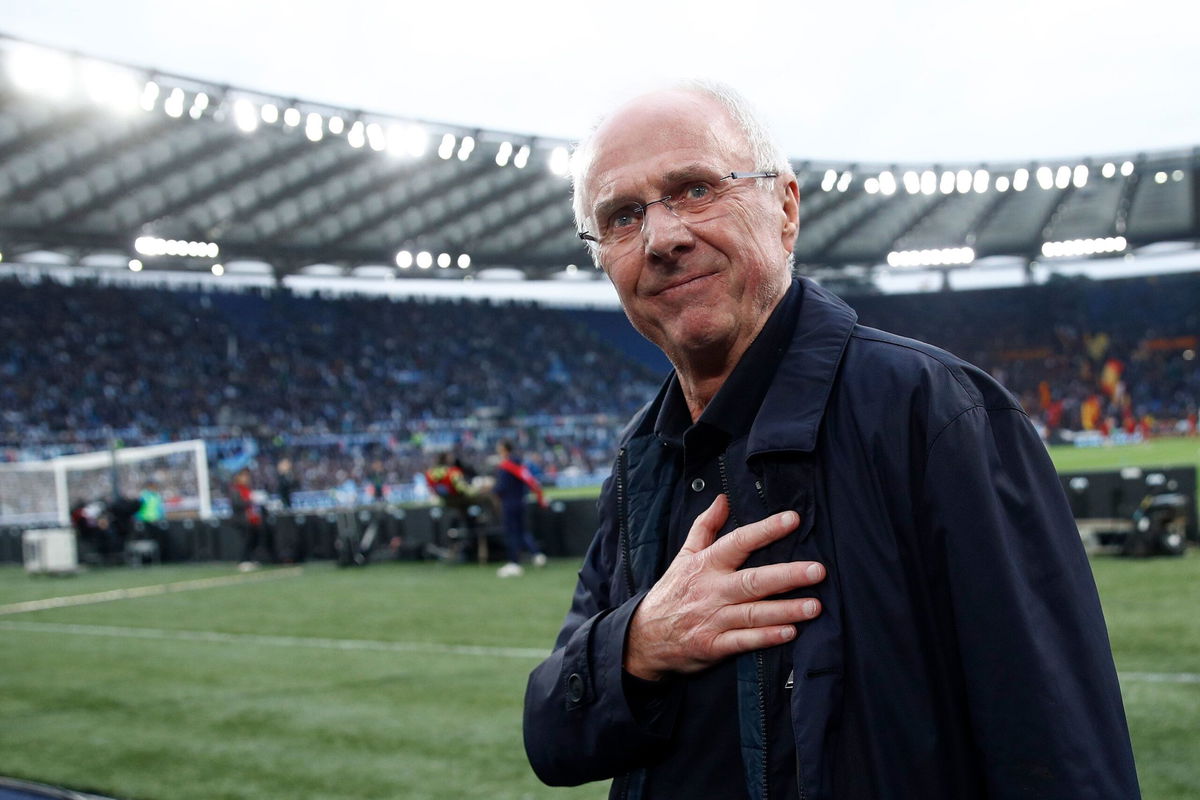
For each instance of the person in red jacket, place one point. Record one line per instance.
(248, 519)
(514, 482)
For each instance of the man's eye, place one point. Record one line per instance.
(623, 219)
(697, 191)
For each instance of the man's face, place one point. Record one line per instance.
(700, 290)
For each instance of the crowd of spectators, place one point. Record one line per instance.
(1081, 355)
(364, 390)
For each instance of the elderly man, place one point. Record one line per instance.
(832, 562)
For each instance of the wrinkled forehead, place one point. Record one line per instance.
(653, 135)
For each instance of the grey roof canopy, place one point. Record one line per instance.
(96, 156)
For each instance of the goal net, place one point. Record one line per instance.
(43, 492)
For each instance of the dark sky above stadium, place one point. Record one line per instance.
(903, 81)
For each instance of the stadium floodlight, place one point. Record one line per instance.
(522, 157)
(887, 183)
(1127, 169)
(404, 259)
(218, 269)
(245, 115)
(572, 269)
(1160, 177)
(1109, 169)
(291, 117)
(424, 259)
(336, 125)
(829, 181)
(871, 185)
(946, 186)
(1020, 180)
(111, 86)
(1062, 178)
(445, 150)
(928, 182)
(150, 94)
(912, 182)
(199, 105)
(376, 137)
(844, 182)
(135, 265)
(416, 140)
(1177, 175)
(1002, 183)
(405, 140)
(1075, 248)
(464, 261)
(962, 181)
(269, 113)
(1079, 176)
(39, 71)
(980, 181)
(560, 161)
(936, 257)
(173, 105)
(504, 153)
(466, 147)
(1045, 177)
(443, 260)
(357, 136)
(314, 127)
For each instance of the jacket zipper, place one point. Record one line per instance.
(791, 678)
(623, 523)
(759, 658)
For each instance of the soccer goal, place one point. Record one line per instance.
(43, 492)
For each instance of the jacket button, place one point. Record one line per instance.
(575, 688)
(698, 485)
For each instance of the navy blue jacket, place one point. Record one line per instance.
(961, 652)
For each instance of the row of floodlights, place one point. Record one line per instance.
(979, 180)
(58, 75)
(406, 259)
(1084, 247)
(154, 246)
(957, 256)
(940, 257)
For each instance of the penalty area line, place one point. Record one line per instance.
(147, 591)
(217, 637)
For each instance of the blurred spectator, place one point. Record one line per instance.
(513, 484)
(248, 517)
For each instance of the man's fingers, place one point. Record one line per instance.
(759, 582)
(704, 530)
(768, 613)
(743, 640)
(733, 549)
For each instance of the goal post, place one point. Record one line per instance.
(43, 492)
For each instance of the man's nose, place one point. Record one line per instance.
(663, 232)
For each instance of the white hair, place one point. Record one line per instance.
(767, 154)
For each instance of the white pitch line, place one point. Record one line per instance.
(1159, 677)
(146, 591)
(273, 641)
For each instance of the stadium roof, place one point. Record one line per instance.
(101, 159)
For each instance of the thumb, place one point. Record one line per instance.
(704, 530)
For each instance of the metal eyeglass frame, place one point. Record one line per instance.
(641, 209)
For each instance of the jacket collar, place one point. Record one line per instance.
(790, 414)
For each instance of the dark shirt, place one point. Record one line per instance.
(706, 748)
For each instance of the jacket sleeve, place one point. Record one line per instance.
(578, 725)
(1044, 703)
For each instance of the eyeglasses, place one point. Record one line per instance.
(693, 201)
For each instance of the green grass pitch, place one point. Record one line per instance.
(406, 680)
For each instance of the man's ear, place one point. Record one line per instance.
(791, 214)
